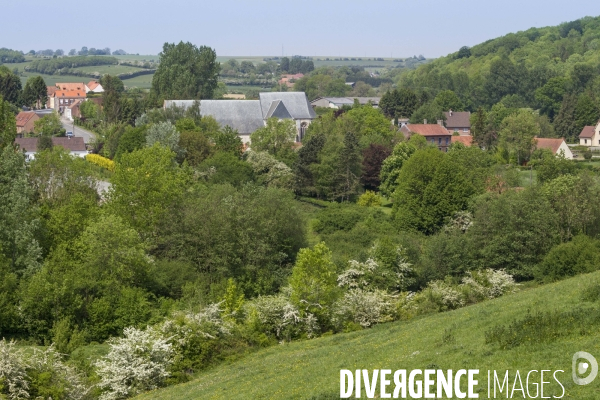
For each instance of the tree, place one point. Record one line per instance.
(112, 105)
(8, 125)
(565, 122)
(464, 52)
(314, 282)
(227, 140)
(285, 64)
(586, 112)
(186, 72)
(195, 146)
(49, 125)
(165, 134)
(448, 100)
(517, 135)
(304, 179)
(391, 166)
(132, 139)
(35, 93)
(350, 166)
(10, 86)
(399, 103)
(373, 157)
(431, 112)
(145, 183)
(276, 138)
(551, 95)
(479, 127)
(225, 167)
(89, 110)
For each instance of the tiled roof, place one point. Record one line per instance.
(70, 93)
(71, 86)
(71, 144)
(427, 129)
(93, 85)
(296, 103)
(348, 100)
(466, 140)
(76, 103)
(551, 144)
(461, 119)
(51, 90)
(23, 117)
(244, 116)
(587, 132)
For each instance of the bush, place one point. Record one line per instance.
(369, 199)
(579, 256)
(338, 217)
(101, 161)
(488, 284)
(136, 363)
(364, 308)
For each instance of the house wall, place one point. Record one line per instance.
(320, 103)
(300, 133)
(28, 126)
(442, 141)
(567, 151)
(594, 141)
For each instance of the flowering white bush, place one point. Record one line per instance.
(364, 307)
(13, 377)
(444, 295)
(269, 170)
(357, 275)
(135, 363)
(490, 283)
(278, 316)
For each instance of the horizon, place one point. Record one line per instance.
(387, 29)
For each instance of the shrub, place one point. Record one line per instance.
(13, 377)
(579, 256)
(369, 199)
(103, 162)
(364, 308)
(135, 363)
(488, 284)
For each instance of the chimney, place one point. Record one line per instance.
(450, 112)
(425, 121)
(440, 122)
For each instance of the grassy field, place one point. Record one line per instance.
(451, 340)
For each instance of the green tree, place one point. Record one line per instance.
(227, 140)
(308, 155)
(195, 146)
(112, 102)
(49, 125)
(565, 122)
(431, 112)
(35, 93)
(10, 86)
(448, 100)
(399, 103)
(391, 166)
(517, 135)
(8, 125)
(225, 167)
(285, 64)
(145, 184)
(132, 139)
(551, 95)
(314, 282)
(89, 110)
(276, 138)
(586, 112)
(479, 128)
(186, 72)
(165, 134)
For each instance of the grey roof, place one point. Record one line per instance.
(458, 119)
(296, 103)
(278, 110)
(349, 100)
(185, 104)
(245, 116)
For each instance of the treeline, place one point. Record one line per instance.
(551, 69)
(11, 56)
(56, 65)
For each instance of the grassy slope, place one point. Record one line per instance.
(310, 369)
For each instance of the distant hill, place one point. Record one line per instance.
(549, 324)
(533, 68)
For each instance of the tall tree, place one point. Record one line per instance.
(112, 104)
(373, 157)
(586, 112)
(186, 72)
(479, 127)
(349, 166)
(35, 93)
(564, 123)
(399, 103)
(304, 181)
(517, 135)
(8, 124)
(10, 86)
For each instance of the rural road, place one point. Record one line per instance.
(87, 136)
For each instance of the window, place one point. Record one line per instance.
(585, 141)
(447, 141)
(302, 130)
(466, 130)
(439, 140)
(455, 129)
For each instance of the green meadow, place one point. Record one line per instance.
(452, 340)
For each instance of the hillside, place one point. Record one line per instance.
(535, 68)
(451, 340)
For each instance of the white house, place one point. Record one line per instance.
(74, 145)
(338, 102)
(590, 136)
(556, 146)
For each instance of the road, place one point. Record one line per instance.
(88, 137)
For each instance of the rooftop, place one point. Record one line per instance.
(458, 119)
(427, 129)
(71, 144)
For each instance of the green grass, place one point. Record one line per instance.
(451, 340)
(109, 69)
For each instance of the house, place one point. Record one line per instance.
(338, 102)
(590, 136)
(51, 91)
(94, 87)
(556, 146)
(64, 98)
(288, 79)
(246, 116)
(25, 122)
(79, 86)
(465, 140)
(74, 145)
(73, 111)
(458, 122)
(434, 133)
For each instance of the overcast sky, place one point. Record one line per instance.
(383, 28)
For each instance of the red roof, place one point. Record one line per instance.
(427, 129)
(70, 93)
(23, 117)
(466, 140)
(551, 144)
(71, 144)
(588, 132)
(93, 85)
(51, 90)
(71, 86)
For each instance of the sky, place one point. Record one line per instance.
(376, 28)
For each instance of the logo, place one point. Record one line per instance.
(580, 368)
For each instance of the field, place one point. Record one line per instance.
(145, 81)
(451, 340)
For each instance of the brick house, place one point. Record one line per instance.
(74, 145)
(64, 98)
(25, 122)
(434, 133)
